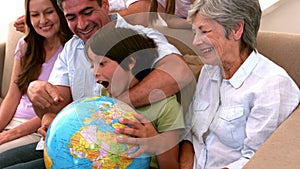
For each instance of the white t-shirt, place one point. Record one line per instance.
(116, 5)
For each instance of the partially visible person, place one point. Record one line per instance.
(47, 32)
(174, 13)
(121, 63)
(19, 24)
(241, 96)
(134, 11)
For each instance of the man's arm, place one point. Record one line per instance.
(48, 98)
(19, 24)
(171, 74)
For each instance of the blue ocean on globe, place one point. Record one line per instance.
(82, 136)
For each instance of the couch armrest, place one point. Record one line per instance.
(281, 150)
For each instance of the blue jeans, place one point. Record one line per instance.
(25, 157)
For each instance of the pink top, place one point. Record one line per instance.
(25, 109)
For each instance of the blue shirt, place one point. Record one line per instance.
(230, 119)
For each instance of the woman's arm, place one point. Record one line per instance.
(186, 155)
(168, 159)
(12, 98)
(23, 129)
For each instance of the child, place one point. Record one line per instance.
(121, 63)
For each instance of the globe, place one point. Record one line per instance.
(82, 136)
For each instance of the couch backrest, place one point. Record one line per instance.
(12, 39)
(283, 49)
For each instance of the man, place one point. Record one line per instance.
(72, 76)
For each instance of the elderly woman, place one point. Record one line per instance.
(241, 96)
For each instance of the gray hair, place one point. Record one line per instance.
(229, 13)
(59, 3)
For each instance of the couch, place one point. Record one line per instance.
(7, 50)
(281, 149)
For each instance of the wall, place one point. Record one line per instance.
(283, 17)
(9, 12)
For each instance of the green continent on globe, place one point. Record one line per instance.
(91, 142)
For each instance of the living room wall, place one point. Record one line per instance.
(283, 17)
(9, 11)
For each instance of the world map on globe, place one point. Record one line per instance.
(82, 136)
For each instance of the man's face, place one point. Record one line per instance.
(85, 17)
